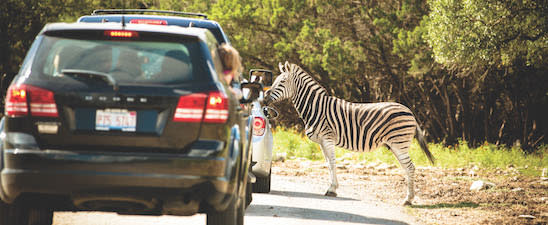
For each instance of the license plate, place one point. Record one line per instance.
(115, 119)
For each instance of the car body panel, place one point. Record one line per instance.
(262, 145)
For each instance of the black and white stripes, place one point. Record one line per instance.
(331, 121)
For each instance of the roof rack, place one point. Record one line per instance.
(143, 11)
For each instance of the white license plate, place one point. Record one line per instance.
(115, 119)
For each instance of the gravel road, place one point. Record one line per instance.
(294, 200)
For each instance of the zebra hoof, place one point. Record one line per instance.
(331, 194)
(407, 203)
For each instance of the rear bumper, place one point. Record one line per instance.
(131, 177)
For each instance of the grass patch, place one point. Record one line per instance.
(487, 156)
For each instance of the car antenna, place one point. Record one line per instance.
(123, 12)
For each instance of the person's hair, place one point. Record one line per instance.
(230, 58)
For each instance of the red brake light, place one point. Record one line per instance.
(217, 108)
(258, 126)
(121, 33)
(42, 102)
(191, 108)
(16, 101)
(148, 21)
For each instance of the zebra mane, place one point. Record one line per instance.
(296, 71)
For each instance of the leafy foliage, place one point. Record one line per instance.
(489, 32)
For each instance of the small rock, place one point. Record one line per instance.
(518, 189)
(526, 217)
(481, 185)
(472, 173)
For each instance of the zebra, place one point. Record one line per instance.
(331, 121)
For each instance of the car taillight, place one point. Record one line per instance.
(191, 108)
(258, 126)
(217, 108)
(41, 101)
(16, 101)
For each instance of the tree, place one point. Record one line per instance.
(489, 32)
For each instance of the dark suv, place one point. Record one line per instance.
(123, 117)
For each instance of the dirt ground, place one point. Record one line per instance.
(443, 196)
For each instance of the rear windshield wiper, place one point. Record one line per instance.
(104, 76)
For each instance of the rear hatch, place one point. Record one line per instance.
(119, 90)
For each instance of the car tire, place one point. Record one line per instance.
(232, 215)
(21, 214)
(262, 185)
(40, 216)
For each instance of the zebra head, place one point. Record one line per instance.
(282, 88)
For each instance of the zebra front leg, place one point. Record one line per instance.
(407, 164)
(328, 150)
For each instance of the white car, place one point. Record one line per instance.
(262, 140)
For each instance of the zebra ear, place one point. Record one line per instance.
(286, 66)
(281, 67)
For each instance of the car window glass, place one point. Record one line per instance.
(126, 61)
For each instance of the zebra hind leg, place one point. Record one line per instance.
(405, 161)
(328, 150)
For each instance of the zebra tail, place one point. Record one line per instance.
(420, 137)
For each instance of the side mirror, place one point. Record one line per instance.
(270, 112)
(251, 91)
(261, 76)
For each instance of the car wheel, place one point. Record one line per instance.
(40, 216)
(262, 185)
(21, 214)
(233, 215)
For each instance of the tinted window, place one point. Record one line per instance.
(152, 62)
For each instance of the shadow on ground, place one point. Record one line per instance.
(315, 214)
(308, 195)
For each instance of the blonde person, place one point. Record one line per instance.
(232, 67)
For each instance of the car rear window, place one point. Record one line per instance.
(135, 61)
